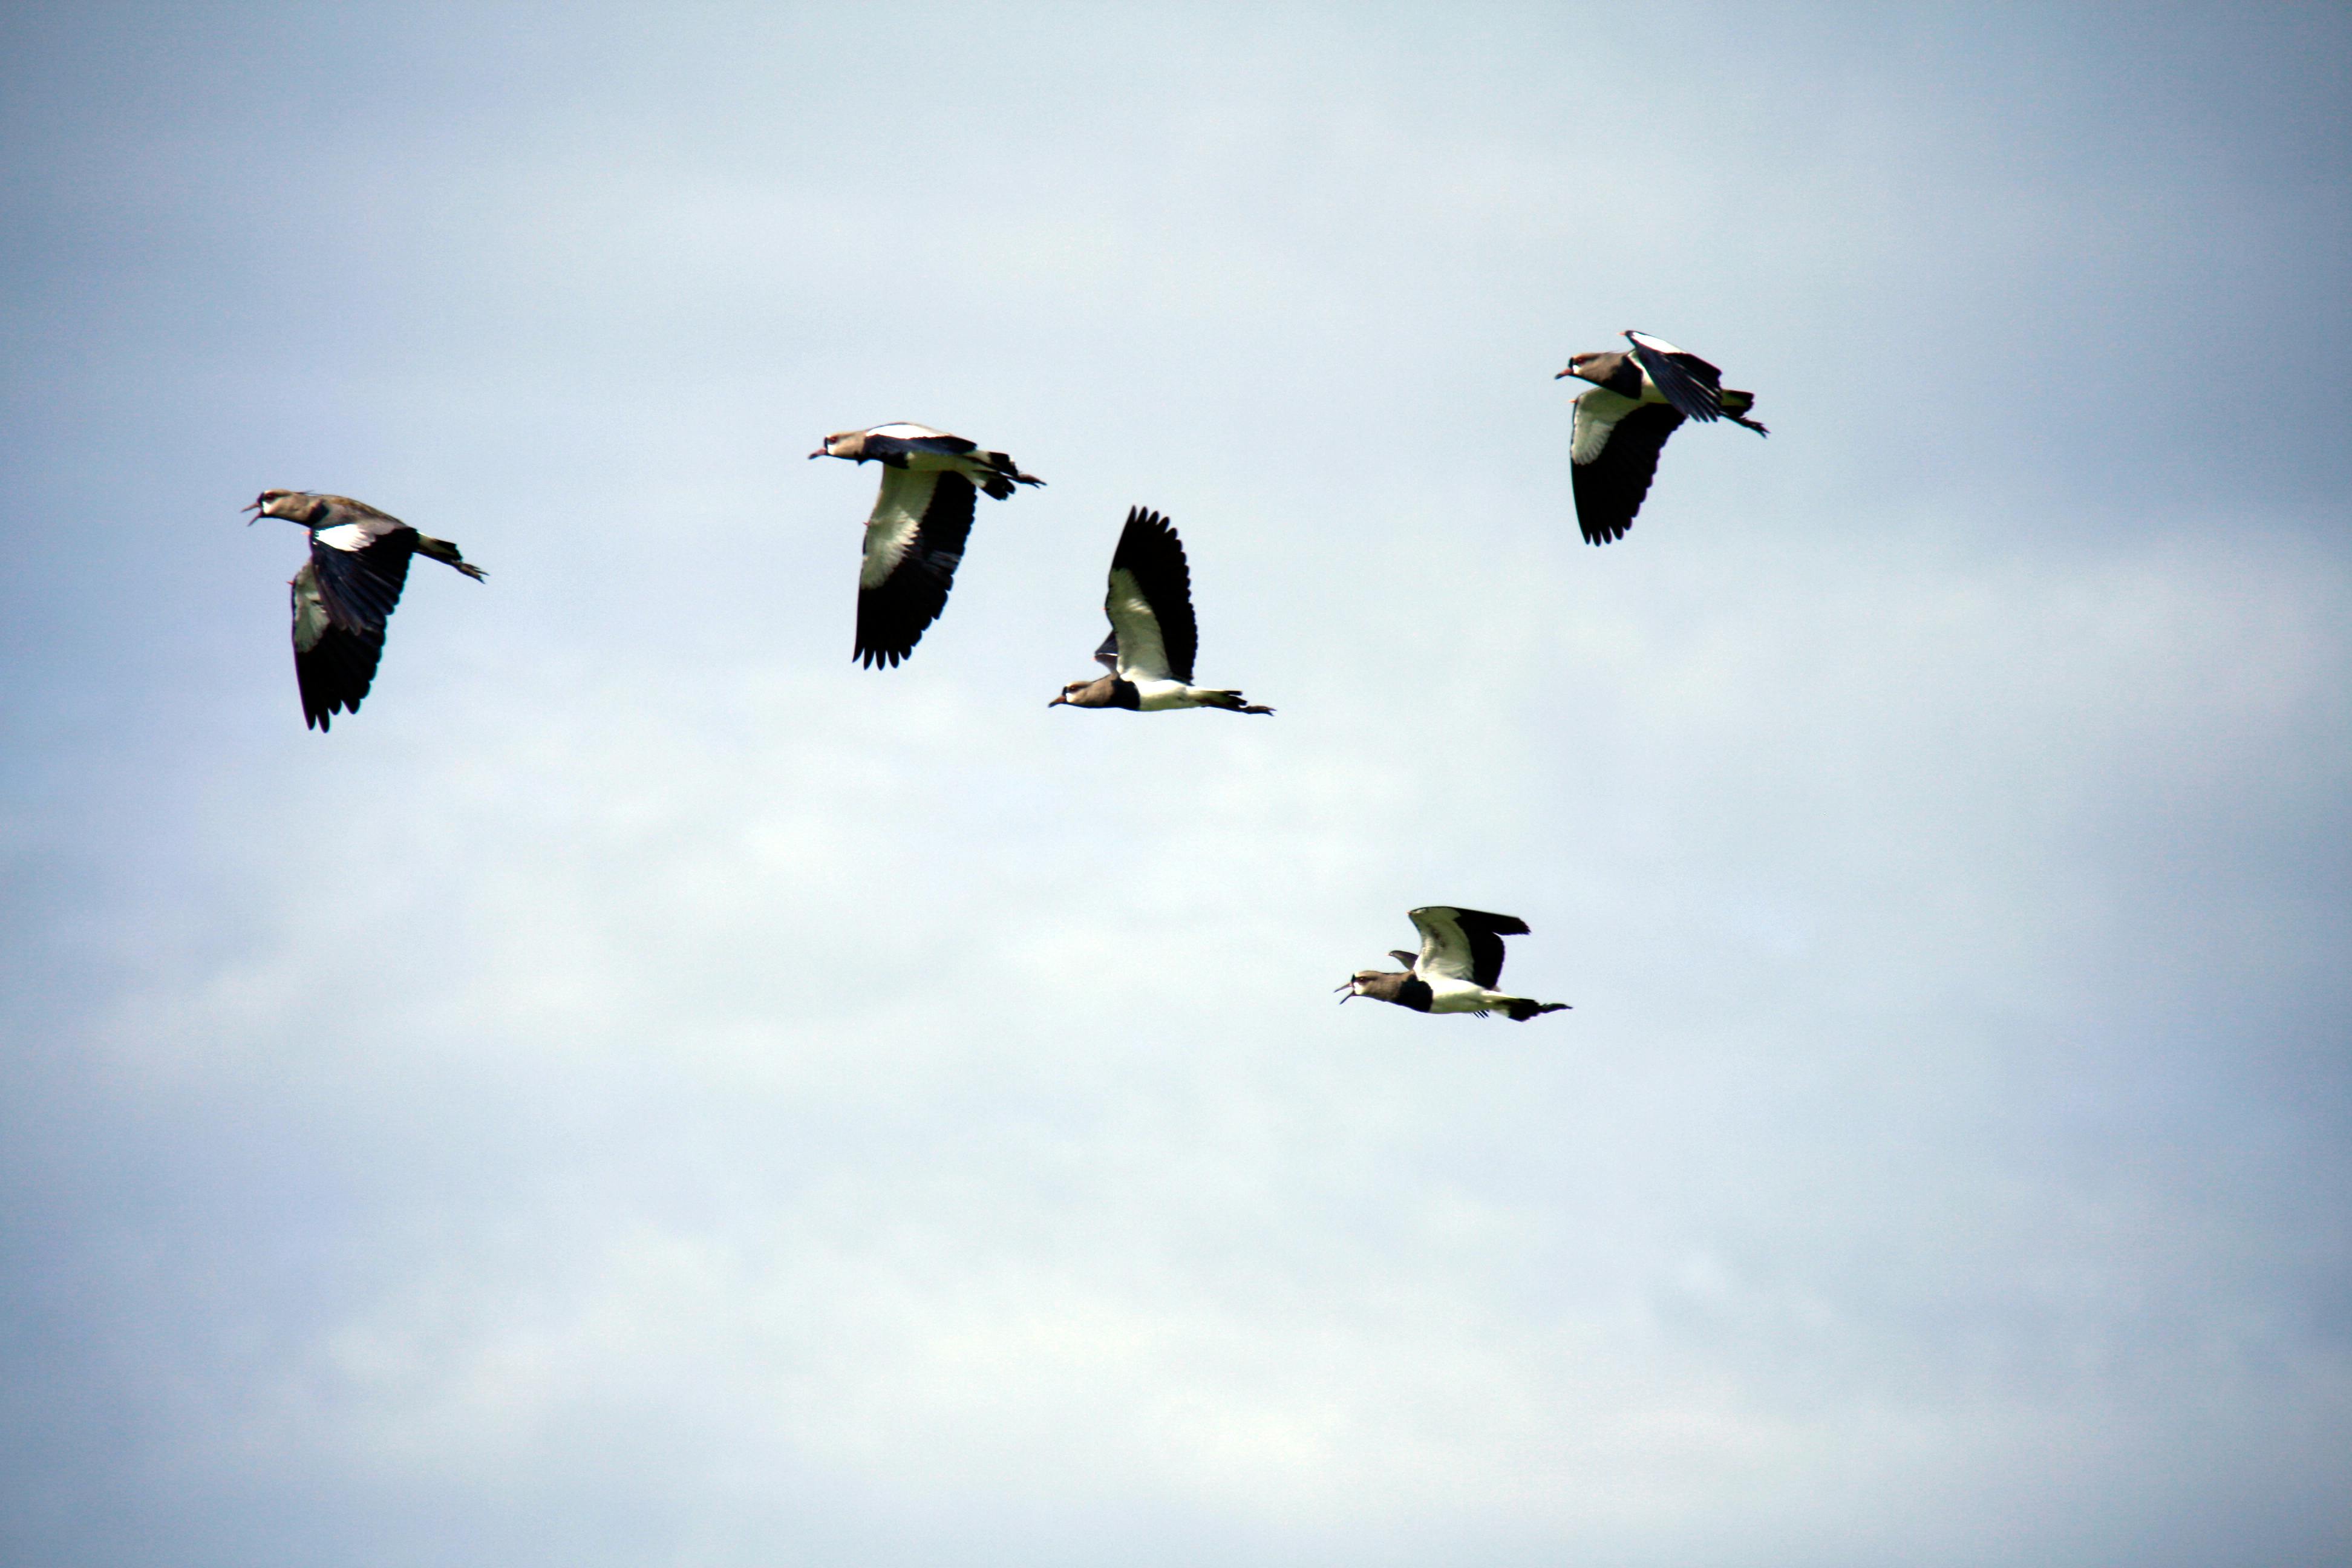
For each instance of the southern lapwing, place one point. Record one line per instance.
(345, 592)
(916, 535)
(1461, 958)
(1152, 638)
(1637, 399)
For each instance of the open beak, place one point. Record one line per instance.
(254, 508)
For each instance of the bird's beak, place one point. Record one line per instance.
(254, 508)
(1569, 371)
(1347, 986)
(818, 453)
(1058, 700)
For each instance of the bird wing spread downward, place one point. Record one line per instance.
(1463, 944)
(1150, 601)
(333, 665)
(1687, 381)
(913, 540)
(1612, 459)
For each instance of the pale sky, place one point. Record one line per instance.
(646, 1090)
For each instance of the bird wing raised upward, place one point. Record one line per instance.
(913, 540)
(1463, 944)
(334, 664)
(1612, 459)
(1687, 381)
(1150, 601)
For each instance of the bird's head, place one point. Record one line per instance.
(1378, 984)
(292, 505)
(1102, 692)
(850, 444)
(1584, 368)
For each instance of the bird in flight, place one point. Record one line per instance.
(915, 537)
(345, 592)
(1461, 959)
(1152, 636)
(1638, 397)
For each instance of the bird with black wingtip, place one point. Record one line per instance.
(1640, 395)
(915, 535)
(1456, 970)
(345, 592)
(1153, 637)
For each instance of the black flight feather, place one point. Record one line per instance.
(1609, 489)
(1686, 380)
(1149, 551)
(892, 615)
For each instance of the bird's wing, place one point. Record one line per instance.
(1687, 381)
(1150, 601)
(1597, 413)
(333, 665)
(359, 568)
(913, 542)
(1463, 944)
(902, 441)
(1108, 654)
(1612, 459)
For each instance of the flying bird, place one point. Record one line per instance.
(1460, 960)
(915, 537)
(1152, 636)
(345, 592)
(1637, 399)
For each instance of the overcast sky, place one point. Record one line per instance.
(646, 1090)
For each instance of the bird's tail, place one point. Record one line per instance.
(1000, 484)
(1736, 406)
(443, 551)
(1522, 1009)
(1231, 702)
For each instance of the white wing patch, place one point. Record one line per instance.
(897, 517)
(348, 537)
(1142, 652)
(1445, 951)
(1597, 413)
(906, 432)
